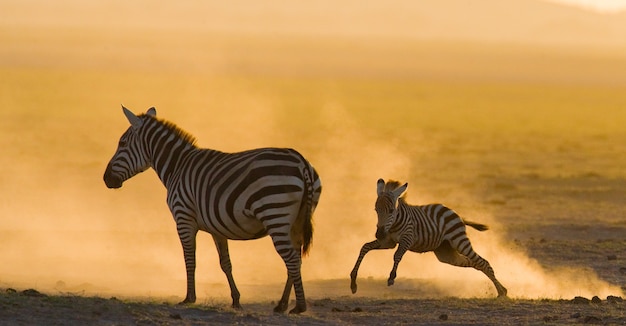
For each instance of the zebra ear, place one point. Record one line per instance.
(151, 111)
(379, 186)
(399, 191)
(134, 120)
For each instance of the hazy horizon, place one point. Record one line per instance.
(515, 21)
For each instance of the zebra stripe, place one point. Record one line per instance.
(421, 229)
(238, 196)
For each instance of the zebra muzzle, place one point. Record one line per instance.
(112, 181)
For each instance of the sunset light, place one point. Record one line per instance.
(512, 113)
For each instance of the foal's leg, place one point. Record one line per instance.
(404, 245)
(374, 245)
(446, 254)
(462, 254)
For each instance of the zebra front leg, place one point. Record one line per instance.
(188, 240)
(221, 244)
(403, 246)
(364, 250)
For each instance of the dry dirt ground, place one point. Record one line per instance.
(30, 307)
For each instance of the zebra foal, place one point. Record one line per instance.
(239, 196)
(421, 229)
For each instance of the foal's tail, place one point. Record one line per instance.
(477, 226)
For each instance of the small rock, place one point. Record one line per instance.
(335, 309)
(322, 302)
(548, 319)
(443, 317)
(622, 270)
(575, 315)
(596, 300)
(592, 320)
(32, 293)
(357, 309)
(580, 300)
(175, 315)
(611, 257)
(614, 299)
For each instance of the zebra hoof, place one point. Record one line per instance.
(237, 306)
(297, 310)
(280, 308)
(353, 286)
(390, 282)
(187, 301)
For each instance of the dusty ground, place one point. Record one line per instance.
(597, 248)
(32, 308)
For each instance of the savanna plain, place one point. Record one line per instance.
(528, 139)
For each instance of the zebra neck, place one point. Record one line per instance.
(167, 157)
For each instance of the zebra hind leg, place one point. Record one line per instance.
(283, 304)
(292, 257)
(293, 263)
(468, 258)
(446, 254)
(483, 265)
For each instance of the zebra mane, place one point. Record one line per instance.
(392, 185)
(172, 127)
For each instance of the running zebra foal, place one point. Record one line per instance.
(240, 196)
(421, 229)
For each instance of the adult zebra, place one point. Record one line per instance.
(421, 229)
(240, 196)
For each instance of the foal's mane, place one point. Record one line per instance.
(173, 128)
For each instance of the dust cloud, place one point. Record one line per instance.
(66, 232)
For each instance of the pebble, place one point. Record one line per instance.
(611, 257)
(580, 300)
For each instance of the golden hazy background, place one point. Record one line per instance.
(510, 112)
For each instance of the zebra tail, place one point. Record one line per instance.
(477, 226)
(306, 213)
